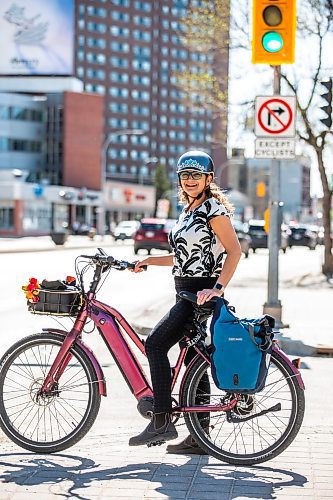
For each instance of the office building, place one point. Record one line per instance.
(128, 51)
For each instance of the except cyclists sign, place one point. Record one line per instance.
(275, 116)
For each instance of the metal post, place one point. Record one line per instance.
(105, 147)
(273, 305)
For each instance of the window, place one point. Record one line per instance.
(6, 217)
(98, 74)
(118, 107)
(145, 6)
(140, 110)
(95, 58)
(123, 3)
(119, 31)
(99, 27)
(119, 46)
(118, 123)
(141, 35)
(119, 62)
(100, 89)
(18, 113)
(142, 21)
(118, 77)
(138, 124)
(96, 42)
(4, 113)
(141, 65)
(140, 95)
(141, 80)
(116, 92)
(119, 16)
(141, 52)
(96, 11)
(139, 139)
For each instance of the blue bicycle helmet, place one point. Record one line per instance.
(195, 160)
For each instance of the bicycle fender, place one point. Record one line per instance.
(91, 355)
(293, 368)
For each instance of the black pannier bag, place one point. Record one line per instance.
(56, 298)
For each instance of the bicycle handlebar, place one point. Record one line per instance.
(107, 260)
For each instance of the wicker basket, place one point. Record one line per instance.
(57, 302)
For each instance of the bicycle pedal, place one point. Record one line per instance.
(156, 443)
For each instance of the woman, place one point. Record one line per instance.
(202, 234)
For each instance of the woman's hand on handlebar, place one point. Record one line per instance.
(139, 265)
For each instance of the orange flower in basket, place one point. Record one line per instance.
(32, 290)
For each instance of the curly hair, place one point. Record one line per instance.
(213, 191)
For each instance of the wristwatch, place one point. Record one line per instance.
(219, 287)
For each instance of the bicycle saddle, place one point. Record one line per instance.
(192, 297)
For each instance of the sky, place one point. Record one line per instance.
(259, 81)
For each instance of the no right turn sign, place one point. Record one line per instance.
(275, 116)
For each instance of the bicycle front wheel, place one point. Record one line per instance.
(258, 428)
(46, 424)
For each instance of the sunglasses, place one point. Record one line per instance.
(196, 176)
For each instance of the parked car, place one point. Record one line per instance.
(301, 235)
(153, 233)
(259, 237)
(244, 238)
(125, 230)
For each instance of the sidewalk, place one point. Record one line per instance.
(45, 243)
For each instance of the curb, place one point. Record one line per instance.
(56, 247)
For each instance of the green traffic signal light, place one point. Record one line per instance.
(272, 41)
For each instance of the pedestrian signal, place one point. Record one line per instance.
(261, 190)
(273, 32)
(327, 96)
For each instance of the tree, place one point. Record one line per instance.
(204, 82)
(315, 23)
(162, 183)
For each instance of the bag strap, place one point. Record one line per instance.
(268, 341)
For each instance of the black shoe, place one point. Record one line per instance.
(186, 447)
(153, 434)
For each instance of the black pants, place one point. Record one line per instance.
(165, 335)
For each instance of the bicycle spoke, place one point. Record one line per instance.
(44, 417)
(255, 424)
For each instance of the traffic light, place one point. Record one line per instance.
(273, 32)
(266, 219)
(327, 96)
(261, 190)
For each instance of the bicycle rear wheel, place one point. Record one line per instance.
(242, 437)
(54, 422)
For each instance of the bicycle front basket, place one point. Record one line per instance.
(56, 302)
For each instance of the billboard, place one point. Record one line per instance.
(36, 37)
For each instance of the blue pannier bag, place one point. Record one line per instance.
(241, 350)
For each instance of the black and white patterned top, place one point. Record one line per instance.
(197, 250)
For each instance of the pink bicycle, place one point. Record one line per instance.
(51, 383)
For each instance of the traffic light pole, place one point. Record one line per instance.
(273, 305)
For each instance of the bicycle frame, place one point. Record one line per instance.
(110, 324)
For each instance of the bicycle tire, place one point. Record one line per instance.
(28, 370)
(205, 438)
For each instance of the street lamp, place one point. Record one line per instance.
(105, 147)
(147, 161)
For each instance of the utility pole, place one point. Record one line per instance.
(273, 305)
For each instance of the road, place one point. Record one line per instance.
(102, 465)
(142, 297)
